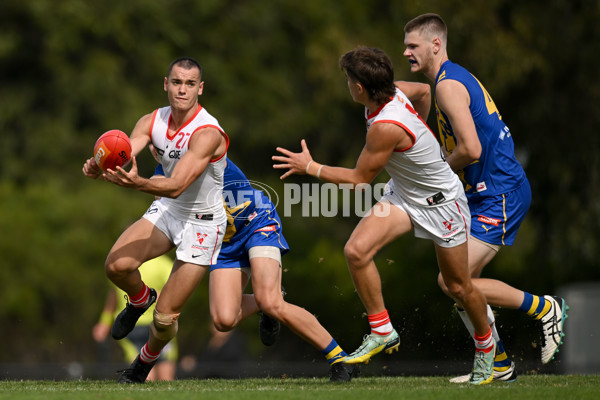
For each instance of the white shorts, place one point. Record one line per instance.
(197, 243)
(446, 224)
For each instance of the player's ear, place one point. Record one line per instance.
(360, 87)
(200, 88)
(437, 44)
(165, 83)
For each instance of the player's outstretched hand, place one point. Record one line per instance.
(295, 163)
(123, 178)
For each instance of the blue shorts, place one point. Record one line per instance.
(264, 230)
(496, 220)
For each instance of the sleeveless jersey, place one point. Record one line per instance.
(419, 172)
(248, 210)
(497, 171)
(245, 206)
(203, 199)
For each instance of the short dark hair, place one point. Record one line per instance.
(428, 25)
(373, 69)
(185, 63)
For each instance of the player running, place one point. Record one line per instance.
(252, 249)
(480, 147)
(188, 216)
(423, 195)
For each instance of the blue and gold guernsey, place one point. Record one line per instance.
(497, 171)
(252, 220)
(496, 186)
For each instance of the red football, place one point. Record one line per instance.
(113, 149)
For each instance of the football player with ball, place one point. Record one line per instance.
(193, 149)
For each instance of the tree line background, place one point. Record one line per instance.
(73, 69)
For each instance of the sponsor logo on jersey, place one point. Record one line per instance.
(480, 187)
(436, 199)
(175, 154)
(504, 132)
(270, 228)
(152, 210)
(488, 220)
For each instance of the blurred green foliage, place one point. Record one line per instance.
(72, 69)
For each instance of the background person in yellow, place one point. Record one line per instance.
(155, 273)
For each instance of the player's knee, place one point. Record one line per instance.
(456, 291)
(164, 326)
(442, 284)
(224, 322)
(116, 266)
(271, 305)
(111, 268)
(223, 326)
(355, 256)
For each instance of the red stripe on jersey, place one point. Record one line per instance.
(401, 125)
(154, 114)
(270, 228)
(374, 113)
(171, 137)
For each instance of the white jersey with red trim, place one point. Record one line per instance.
(420, 174)
(202, 201)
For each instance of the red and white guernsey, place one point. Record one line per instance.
(420, 174)
(202, 201)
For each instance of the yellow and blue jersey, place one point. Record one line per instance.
(497, 171)
(252, 219)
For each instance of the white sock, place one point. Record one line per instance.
(469, 325)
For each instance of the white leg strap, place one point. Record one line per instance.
(265, 251)
(164, 326)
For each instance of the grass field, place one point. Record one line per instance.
(546, 387)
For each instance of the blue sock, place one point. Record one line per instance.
(333, 352)
(527, 302)
(501, 361)
(534, 306)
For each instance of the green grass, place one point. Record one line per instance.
(546, 387)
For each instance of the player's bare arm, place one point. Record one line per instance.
(453, 99)
(419, 95)
(205, 144)
(381, 141)
(140, 136)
